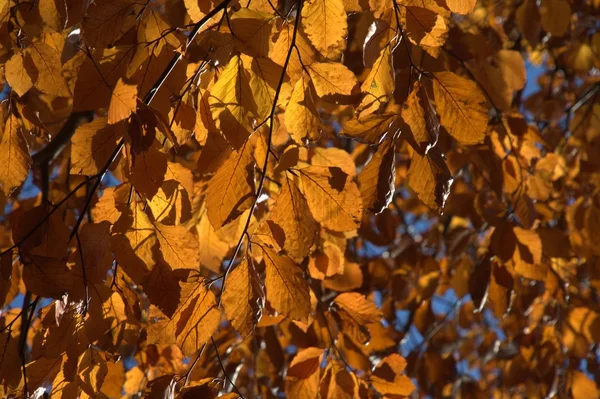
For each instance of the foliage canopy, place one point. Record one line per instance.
(300, 198)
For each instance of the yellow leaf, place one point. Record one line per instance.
(331, 78)
(18, 75)
(231, 190)
(426, 28)
(253, 30)
(463, 7)
(91, 371)
(351, 279)
(123, 102)
(148, 168)
(292, 214)
(212, 249)
(500, 76)
(178, 246)
(333, 198)
(325, 24)
(429, 176)
(379, 84)
(280, 48)
(92, 145)
(287, 290)
(15, 160)
(332, 156)
(461, 107)
(582, 387)
(301, 116)
(194, 322)
(199, 317)
(387, 377)
(48, 63)
(421, 118)
(338, 382)
(161, 286)
(243, 298)
(232, 104)
(302, 379)
(358, 308)
(371, 129)
(132, 242)
(376, 180)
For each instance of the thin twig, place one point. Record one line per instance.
(223, 369)
(269, 141)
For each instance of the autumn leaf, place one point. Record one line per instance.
(334, 200)
(376, 180)
(92, 145)
(302, 379)
(18, 74)
(287, 290)
(324, 22)
(122, 103)
(461, 107)
(243, 297)
(14, 156)
(430, 178)
(331, 78)
(379, 84)
(372, 129)
(231, 190)
(387, 377)
(292, 214)
(232, 104)
(301, 116)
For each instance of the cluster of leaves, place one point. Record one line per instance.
(309, 198)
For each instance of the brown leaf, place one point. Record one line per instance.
(387, 377)
(231, 190)
(333, 198)
(376, 180)
(461, 107)
(15, 160)
(243, 297)
(302, 379)
(287, 290)
(430, 178)
(292, 214)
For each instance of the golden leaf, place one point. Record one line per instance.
(292, 214)
(302, 379)
(231, 190)
(243, 297)
(325, 24)
(333, 198)
(331, 78)
(387, 377)
(376, 180)
(301, 116)
(123, 102)
(15, 160)
(379, 84)
(232, 104)
(287, 290)
(17, 74)
(371, 129)
(430, 178)
(461, 107)
(93, 144)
